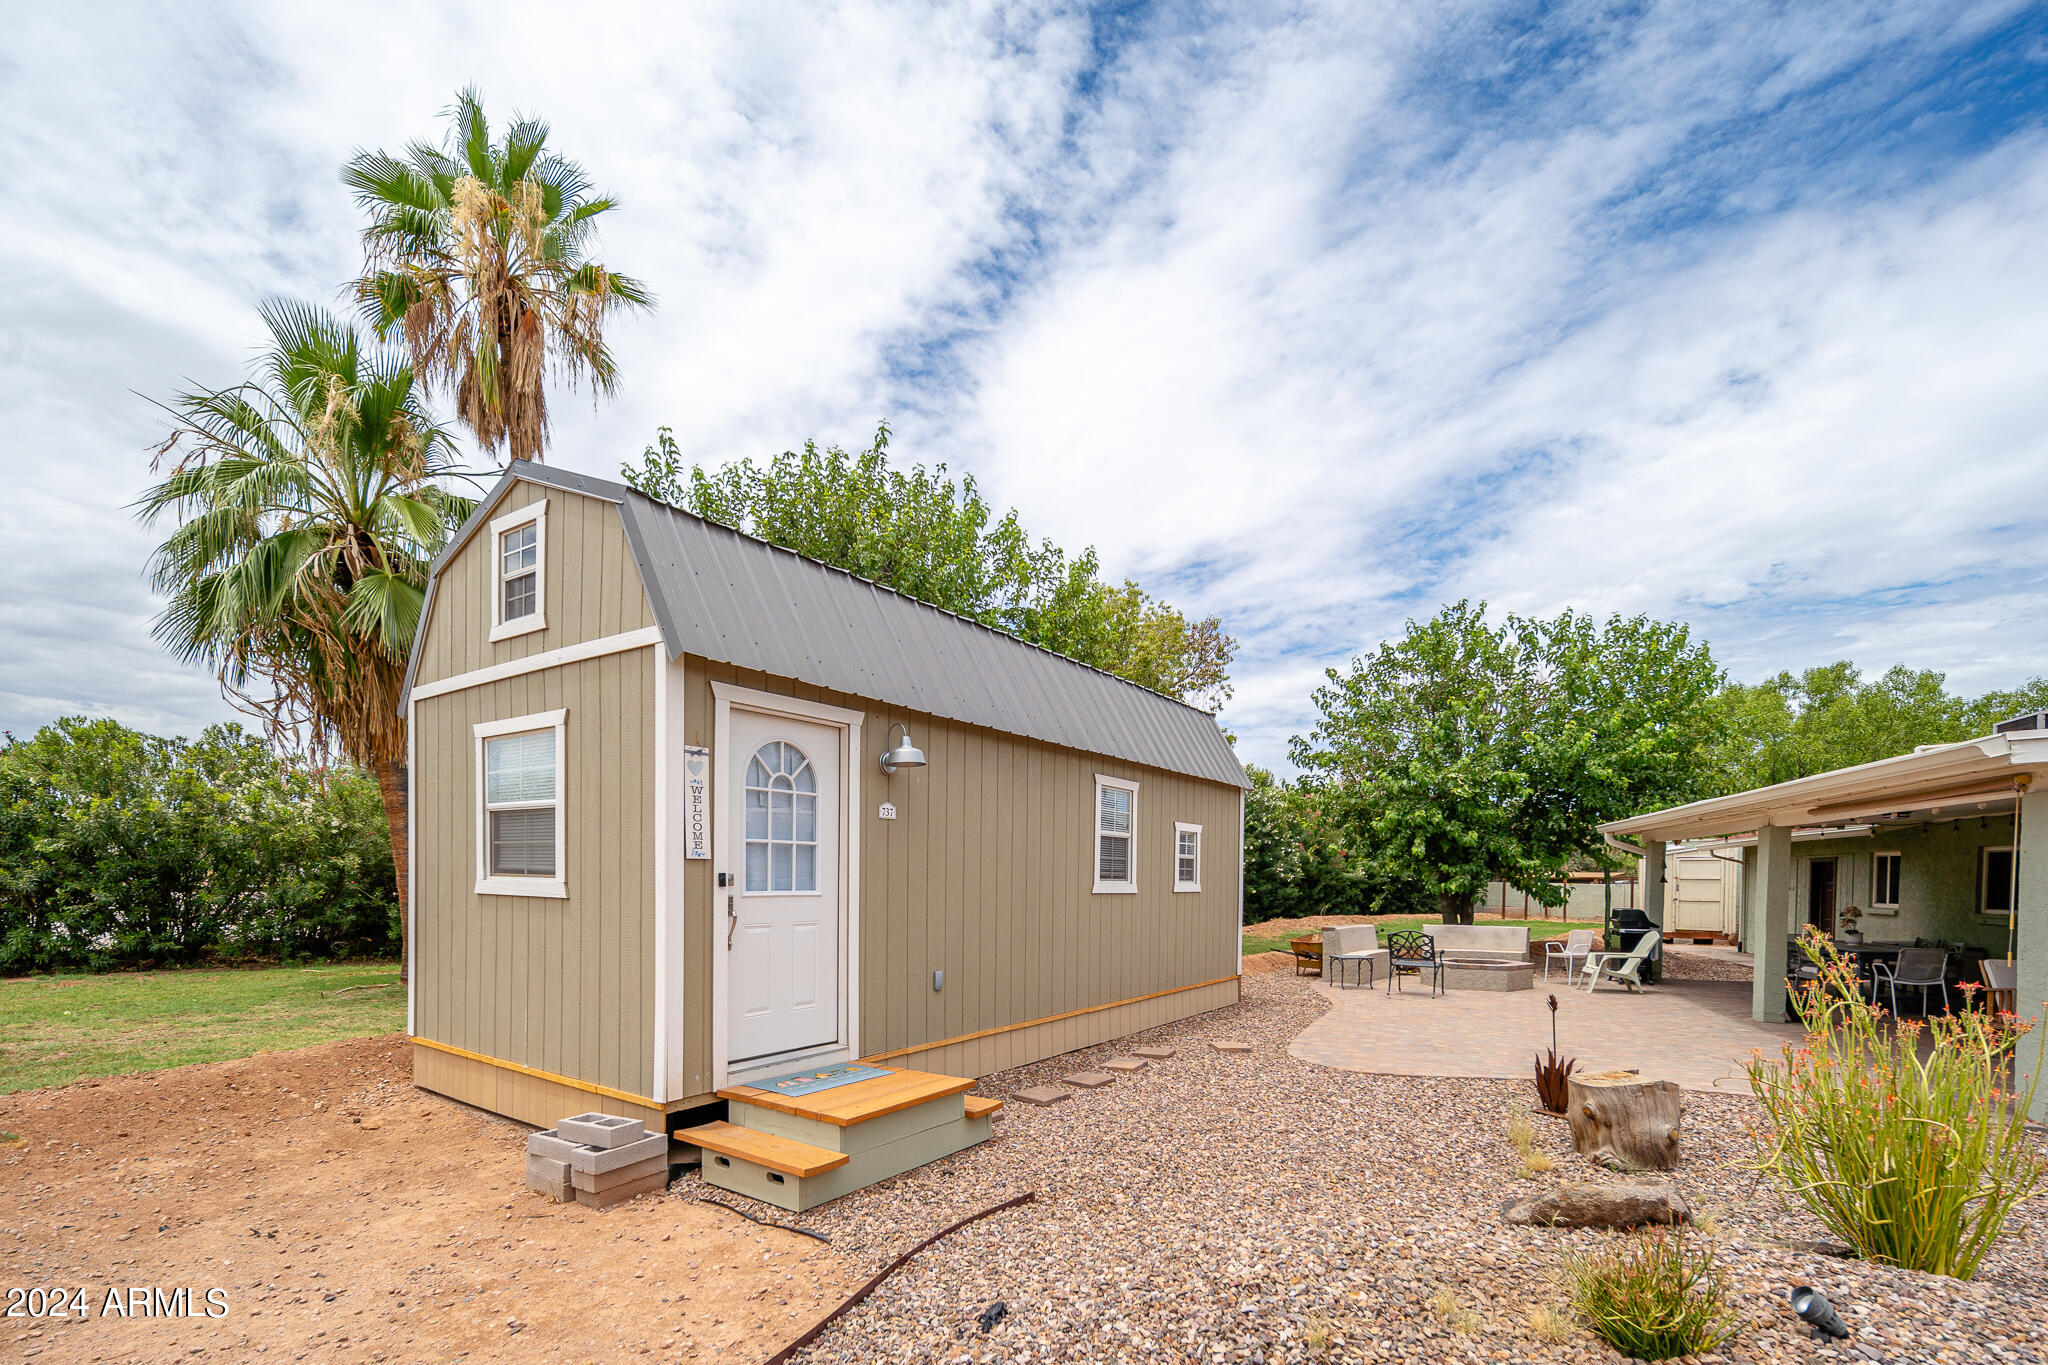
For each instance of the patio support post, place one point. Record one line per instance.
(1653, 881)
(1772, 925)
(2032, 929)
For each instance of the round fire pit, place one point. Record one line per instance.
(1489, 976)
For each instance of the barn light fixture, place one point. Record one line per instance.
(904, 755)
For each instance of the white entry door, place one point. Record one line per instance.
(782, 807)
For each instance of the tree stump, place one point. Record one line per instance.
(1624, 1122)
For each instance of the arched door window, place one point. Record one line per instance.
(782, 820)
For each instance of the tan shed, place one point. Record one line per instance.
(657, 854)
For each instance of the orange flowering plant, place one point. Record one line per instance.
(1914, 1161)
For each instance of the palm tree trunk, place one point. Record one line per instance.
(391, 785)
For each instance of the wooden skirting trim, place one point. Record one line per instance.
(570, 1081)
(1049, 1019)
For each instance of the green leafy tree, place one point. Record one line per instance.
(1469, 752)
(121, 849)
(478, 254)
(917, 531)
(309, 505)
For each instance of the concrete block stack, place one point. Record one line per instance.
(598, 1160)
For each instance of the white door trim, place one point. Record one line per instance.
(725, 696)
(669, 932)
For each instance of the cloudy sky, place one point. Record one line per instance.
(1311, 318)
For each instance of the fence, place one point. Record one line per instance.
(1584, 900)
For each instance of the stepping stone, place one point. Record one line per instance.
(1231, 1047)
(1125, 1064)
(1089, 1080)
(1042, 1095)
(1157, 1054)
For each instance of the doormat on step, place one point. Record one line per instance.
(824, 1078)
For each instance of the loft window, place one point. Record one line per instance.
(519, 571)
(1187, 857)
(1884, 882)
(1116, 835)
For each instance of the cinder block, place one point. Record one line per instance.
(619, 1194)
(1041, 1095)
(1156, 1054)
(550, 1177)
(596, 1160)
(601, 1130)
(625, 1175)
(1089, 1080)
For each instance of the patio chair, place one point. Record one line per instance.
(1572, 950)
(1412, 954)
(2002, 987)
(1627, 968)
(1308, 956)
(1925, 968)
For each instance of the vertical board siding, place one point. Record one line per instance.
(987, 874)
(592, 588)
(565, 986)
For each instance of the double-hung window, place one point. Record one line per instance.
(1884, 881)
(520, 844)
(1187, 857)
(1116, 835)
(519, 549)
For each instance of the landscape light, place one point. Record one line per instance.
(1813, 1308)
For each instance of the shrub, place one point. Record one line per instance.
(1912, 1162)
(1652, 1298)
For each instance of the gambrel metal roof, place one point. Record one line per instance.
(722, 595)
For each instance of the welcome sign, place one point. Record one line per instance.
(697, 808)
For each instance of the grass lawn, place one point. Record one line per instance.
(57, 1029)
(1265, 938)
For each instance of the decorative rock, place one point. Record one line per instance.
(1042, 1095)
(1157, 1054)
(1578, 1205)
(1231, 1047)
(1125, 1064)
(1089, 1080)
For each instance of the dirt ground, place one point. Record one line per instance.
(347, 1216)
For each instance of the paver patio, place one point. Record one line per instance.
(1697, 1033)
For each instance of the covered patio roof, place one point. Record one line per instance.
(1932, 781)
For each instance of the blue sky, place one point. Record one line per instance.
(1311, 317)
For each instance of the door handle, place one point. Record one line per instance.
(732, 922)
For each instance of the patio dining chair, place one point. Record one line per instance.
(1925, 968)
(1412, 954)
(1572, 950)
(2002, 987)
(1627, 968)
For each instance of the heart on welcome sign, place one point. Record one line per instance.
(696, 767)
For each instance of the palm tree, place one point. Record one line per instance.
(477, 253)
(310, 505)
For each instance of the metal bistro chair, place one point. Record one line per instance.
(1412, 954)
(1925, 968)
(1572, 951)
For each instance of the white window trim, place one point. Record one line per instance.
(1984, 879)
(556, 886)
(1180, 828)
(536, 514)
(1103, 888)
(1878, 907)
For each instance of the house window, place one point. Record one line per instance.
(1187, 857)
(782, 820)
(1994, 881)
(519, 572)
(1116, 835)
(1884, 882)
(520, 846)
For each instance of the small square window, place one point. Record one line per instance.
(518, 562)
(1187, 857)
(519, 572)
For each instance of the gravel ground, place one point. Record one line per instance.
(1682, 964)
(1259, 1208)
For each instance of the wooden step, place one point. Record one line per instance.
(783, 1154)
(981, 1106)
(845, 1105)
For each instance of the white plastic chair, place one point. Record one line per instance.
(1573, 949)
(1925, 968)
(1627, 968)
